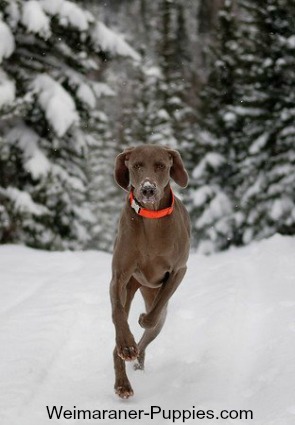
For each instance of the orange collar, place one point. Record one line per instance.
(143, 212)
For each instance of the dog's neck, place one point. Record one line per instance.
(165, 201)
(161, 209)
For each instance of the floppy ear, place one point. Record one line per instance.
(178, 172)
(121, 170)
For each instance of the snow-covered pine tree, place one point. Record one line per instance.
(248, 160)
(267, 189)
(181, 102)
(212, 190)
(175, 114)
(48, 51)
(146, 118)
(161, 112)
(146, 114)
(102, 192)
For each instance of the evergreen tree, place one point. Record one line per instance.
(48, 52)
(267, 172)
(244, 181)
(150, 123)
(212, 187)
(182, 102)
(147, 119)
(160, 112)
(102, 191)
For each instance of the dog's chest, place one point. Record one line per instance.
(152, 270)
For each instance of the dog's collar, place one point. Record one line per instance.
(143, 212)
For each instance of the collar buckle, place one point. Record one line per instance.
(135, 206)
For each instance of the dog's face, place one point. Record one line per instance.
(149, 173)
(147, 169)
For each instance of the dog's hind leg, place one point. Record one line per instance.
(149, 334)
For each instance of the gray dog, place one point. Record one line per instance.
(151, 249)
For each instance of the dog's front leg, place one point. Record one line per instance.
(150, 319)
(125, 343)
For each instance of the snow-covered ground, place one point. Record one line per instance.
(229, 341)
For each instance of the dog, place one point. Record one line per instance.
(150, 251)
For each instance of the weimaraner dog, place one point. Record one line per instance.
(151, 249)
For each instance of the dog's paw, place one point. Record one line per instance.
(124, 389)
(127, 350)
(145, 321)
(139, 363)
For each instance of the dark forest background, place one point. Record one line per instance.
(214, 79)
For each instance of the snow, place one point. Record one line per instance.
(229, 117)
(247, 111)
(7, 43)
(109, 41)
(228, 342)
(162, 115)
(23, 202)
(72, 14)
(102, 89)
(267, 62)
(65, 177)
(288, 131)
(291, 41)
(201, 195)
(281, 207)
(69, 13)
(255, 188)
(34, 19)
(213, 159)
(52, 7)
(153, 72)
(58, 105)
(7, 90)
(13, 14)
(259, 143)
(220, 206)
(36, 163)
(86, 95)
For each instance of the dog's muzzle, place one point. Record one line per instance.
(148, 191)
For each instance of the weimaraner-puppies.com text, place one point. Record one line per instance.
(151, 249)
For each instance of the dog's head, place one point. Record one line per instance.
(147, 170)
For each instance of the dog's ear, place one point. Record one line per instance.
(121, 169)
(178, 172)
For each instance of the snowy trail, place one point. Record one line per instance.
(228, 342)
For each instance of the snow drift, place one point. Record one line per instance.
(228, 342)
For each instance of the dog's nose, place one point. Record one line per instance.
(148, 189)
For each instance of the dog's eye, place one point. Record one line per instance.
(138, 166)
(160, 166)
